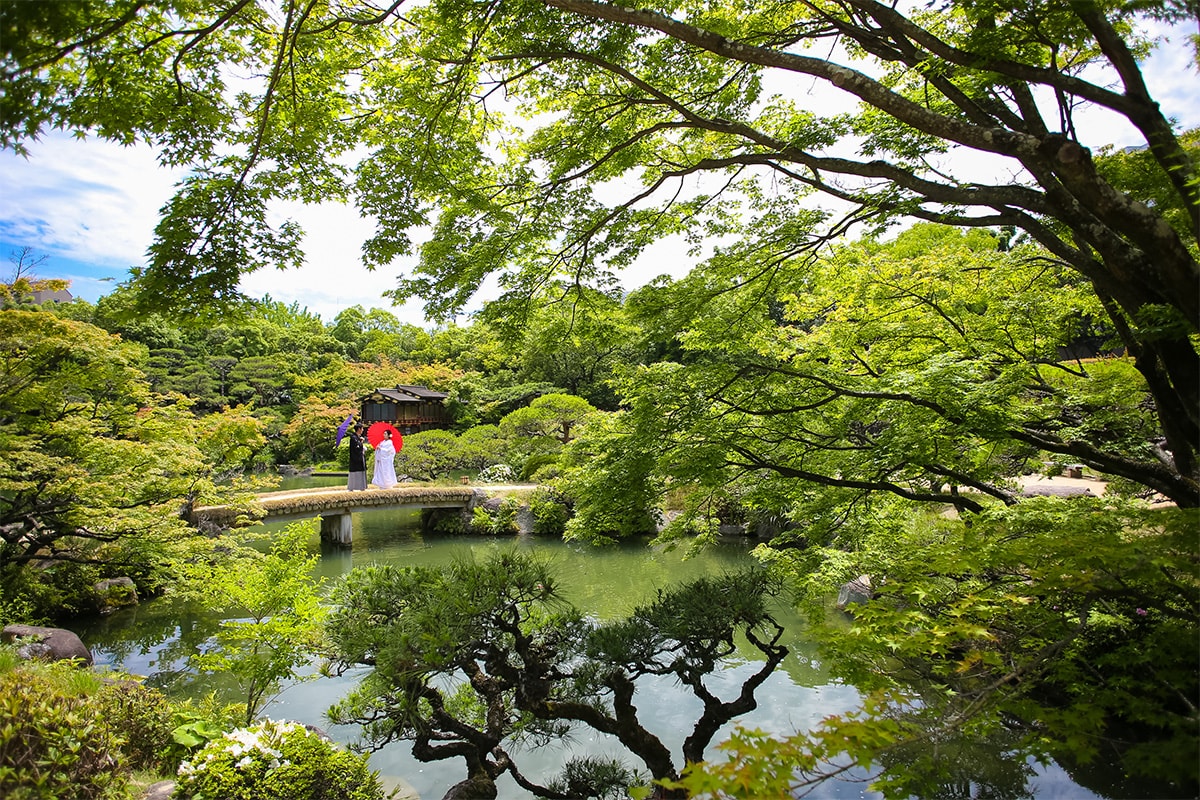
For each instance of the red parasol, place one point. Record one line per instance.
(375, 434)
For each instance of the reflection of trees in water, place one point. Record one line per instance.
(960, 766)
(1105, 776)
(992, 761)
(168, 633)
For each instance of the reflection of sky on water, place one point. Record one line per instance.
(155, 640)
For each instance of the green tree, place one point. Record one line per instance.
(231, 441)
(115, 314)
(340, 381)
(551, 416)
(349, 328)
(312, 430)
(482, 446)
(1068, 625)
(221, 367)
(472, 656)
(918, 368)
(429, 455)
(479, 399)
(275, 614)
(657, 97)
(95, 472)
(262, 380)
(573, 339)
(613, 477)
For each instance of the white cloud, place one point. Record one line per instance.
(97, 203)
(333, 277)
(91, 201)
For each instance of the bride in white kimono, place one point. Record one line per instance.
(385, 468)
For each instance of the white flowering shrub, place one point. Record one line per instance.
(275, 761)
(497, 473)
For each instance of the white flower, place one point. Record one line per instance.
(245, 762)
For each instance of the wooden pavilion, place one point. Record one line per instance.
(411, 409)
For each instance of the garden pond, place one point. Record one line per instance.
(156, 638)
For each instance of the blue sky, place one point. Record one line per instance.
(88, 280)
(90, 207)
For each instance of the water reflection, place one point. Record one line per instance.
(156, 639)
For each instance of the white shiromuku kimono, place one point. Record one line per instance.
(385, 468)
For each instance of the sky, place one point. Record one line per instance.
(89, 207)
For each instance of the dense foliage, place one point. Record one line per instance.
(867, 406)
(1065, 628)
(67, 734)
(97, 470)
(713, 122)
(52, 744)
(274, 611)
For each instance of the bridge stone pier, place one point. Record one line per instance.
(335, 507)
(337, 529)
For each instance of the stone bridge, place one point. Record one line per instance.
(335, 506)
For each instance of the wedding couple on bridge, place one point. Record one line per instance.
(385, 456)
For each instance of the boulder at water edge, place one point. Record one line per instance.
(854, 592)
(46, 644)
(115, 593)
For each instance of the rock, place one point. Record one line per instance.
(46, 644)
(665, 518)
(525, 520)
(492, 504)
(396, 788)
(115, 593)
(159, 791)
(854, 592)
(768, 526)
(318, 732)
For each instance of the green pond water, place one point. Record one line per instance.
(155, 640)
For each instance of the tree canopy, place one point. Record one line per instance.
(96, 472)
(550, 137)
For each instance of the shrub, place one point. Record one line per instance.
(53, 743)
(143, 717)
(550, 512)
(533, 466)
(275, 761)
(497, 473)
(62, 591)
(195, 724)
(442, 521)
(16, 607)
(501, 522)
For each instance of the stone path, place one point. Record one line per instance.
(1060, 486)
